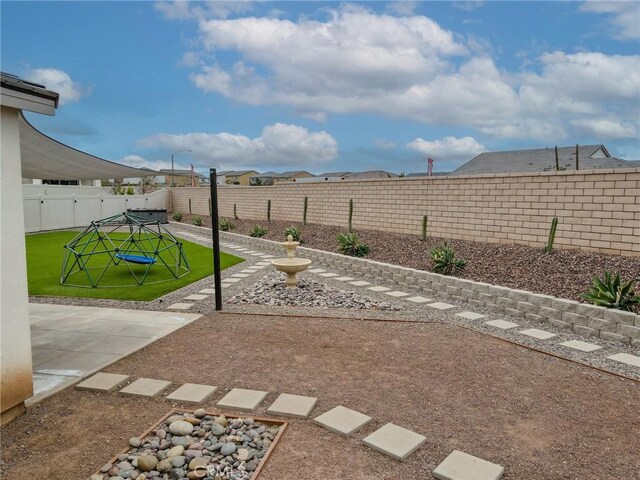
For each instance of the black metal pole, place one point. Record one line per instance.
(215, 237)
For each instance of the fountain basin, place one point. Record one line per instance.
(291, 266)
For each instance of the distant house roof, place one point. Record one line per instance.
(291, 173)
(176, 171)
(238, 173)
(372, 174)
(540, 159)
(334, 174)
(417, 174)
(223, 173)
(635, 163)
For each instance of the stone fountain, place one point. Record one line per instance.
(292, 264)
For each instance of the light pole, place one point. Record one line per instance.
(173, 183)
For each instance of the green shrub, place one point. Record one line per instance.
(445, 261)
(258, 231)
(293, 231)
(349, 244)
(177, 216)
(225, 225)
(610, 292)
(196, 220)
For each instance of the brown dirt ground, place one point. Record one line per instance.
(563, 273)
(539, 416)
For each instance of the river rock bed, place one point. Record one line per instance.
(271, 290)
(194, 446)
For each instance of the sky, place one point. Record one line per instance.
(329, 86)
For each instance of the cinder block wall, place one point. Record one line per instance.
(598, 210)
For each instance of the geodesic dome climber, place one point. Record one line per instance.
(123, 250)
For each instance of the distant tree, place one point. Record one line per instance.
(147, 185)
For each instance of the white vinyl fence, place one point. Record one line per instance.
(53, 211)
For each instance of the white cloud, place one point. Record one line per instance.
(448, 149)
(469, 5)
(607, 128)
(624, 17)
(140, 162)
(409, 67)
(405, 7)
(188, 10)
(59, 81)
(386, 144)
(279, 145)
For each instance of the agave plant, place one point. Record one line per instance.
(611, 292)
(445, 261)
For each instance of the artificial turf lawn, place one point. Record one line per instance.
(45, 254)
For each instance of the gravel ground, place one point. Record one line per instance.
(563, 273)
(539, 416)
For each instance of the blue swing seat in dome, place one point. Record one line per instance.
(139, 259)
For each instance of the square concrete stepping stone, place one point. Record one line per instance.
(627, 358)
(180, 306)
(249, 270)
(241, 399)
(240, 275)
(582, 346)
(316, 270)
(208, 291)
(329, 274)
(360, 283)
(343, 279)
(462, 466)
(378, 289)
(342, 420)
(441, 306)
(292, 405)
(191, 392)
(145, 387)
(395, 441)
(469, 315)
(231, 280)
(419, 299)
(502, 324)
(102, 382)
(267, 256)
(256, 254)
(397, 294)
(539, 334)
(196, 296)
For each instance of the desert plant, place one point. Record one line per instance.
(445, 261)
(304, 215)
(177, 216)
(225, 225)
(196, 220)
(235, 211)
(293, 231)
(552, 235)
(611, 292)
(350, 214)
(268, 210)
(258, 231)
(349, 244)
(130, 191)
(424, 228)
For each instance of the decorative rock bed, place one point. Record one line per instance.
(196, 446)
(271, 290)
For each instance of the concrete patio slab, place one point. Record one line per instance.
(397, 294)
(329, 274)
(230, 280)
(145, 387)
(102, 382)
(76, 364)
(360, 283)
(316, 270)
(196, 296)
(208, 291)
(394, 441)
(342, 420)
(180, 306)
(419, 299)
(441, 306)
(240, 275)
(627, 358)
(292, 405)
(502, 324)
(470, 315)
(45, 385)
(378, 289)
(539, 334)
(192, 392)
(462, 466)
(242, 399)
(343, 279)
(581, 346)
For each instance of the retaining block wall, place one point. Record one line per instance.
(598, 210)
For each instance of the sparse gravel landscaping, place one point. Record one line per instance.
(563, 273)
